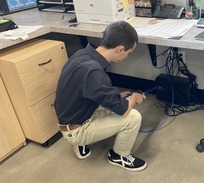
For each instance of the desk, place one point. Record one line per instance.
(58, 22)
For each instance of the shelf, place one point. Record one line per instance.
(56, 5)
(50, 2)
(54, 9)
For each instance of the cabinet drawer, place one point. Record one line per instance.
(36, 67)
(39, 74)
(45, 118)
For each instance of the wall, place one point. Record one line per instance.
(138, 64)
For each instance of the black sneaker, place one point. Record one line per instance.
(82, 152)
(129, 163)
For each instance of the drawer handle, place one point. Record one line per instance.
(45, 62)
(52, 105)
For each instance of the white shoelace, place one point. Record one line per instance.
(130, 158)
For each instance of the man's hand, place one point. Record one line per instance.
(139, 98)
(136, 98)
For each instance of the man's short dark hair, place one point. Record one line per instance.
(119, 33)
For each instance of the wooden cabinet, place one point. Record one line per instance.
(11, 134)
(30, 73)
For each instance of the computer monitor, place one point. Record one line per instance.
(16, 5)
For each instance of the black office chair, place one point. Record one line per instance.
(200, 146)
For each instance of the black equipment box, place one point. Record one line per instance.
(174, 89)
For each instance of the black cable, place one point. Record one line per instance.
(177, 109)
(162, 54)
(174, 66)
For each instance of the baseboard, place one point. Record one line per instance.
(130, 82)
(134, 83)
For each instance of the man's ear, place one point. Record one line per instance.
(120, 48)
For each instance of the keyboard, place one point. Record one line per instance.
(200, 23)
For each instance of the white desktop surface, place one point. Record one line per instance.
(59, 22)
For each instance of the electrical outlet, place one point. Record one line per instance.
(183, 55)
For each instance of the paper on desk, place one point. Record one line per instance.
(138, 22)
(167, 28)
(21, 32)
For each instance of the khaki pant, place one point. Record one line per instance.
(104, 124)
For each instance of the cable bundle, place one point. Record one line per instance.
(175, 67)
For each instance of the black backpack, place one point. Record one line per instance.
(6, 24)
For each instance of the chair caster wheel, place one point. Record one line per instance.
(200, 146)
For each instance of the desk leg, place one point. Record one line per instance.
(153, 54)
(84, 40)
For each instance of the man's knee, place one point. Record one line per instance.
(135, 117)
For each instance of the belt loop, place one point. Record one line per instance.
(68, 128)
